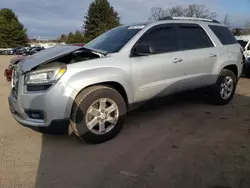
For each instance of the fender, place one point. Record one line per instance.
(95, 76)
(227, 59)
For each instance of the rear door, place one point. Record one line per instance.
(199, 55)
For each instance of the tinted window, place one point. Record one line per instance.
(193, 37)
(224, 34)
(113, 40)
(162, 40)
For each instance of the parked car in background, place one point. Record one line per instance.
(4, 52)
(246, 47)
(92, 87)
(33, 50)
(13, 63)
(10, 51)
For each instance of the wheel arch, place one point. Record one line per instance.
(113, 84)
(232, 68)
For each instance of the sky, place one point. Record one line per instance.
(51, 18)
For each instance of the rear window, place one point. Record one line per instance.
(224, 34)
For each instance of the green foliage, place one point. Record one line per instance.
(12, 32)
(70, 38)
(76, 37)
(62, 38)
(100, 18)
(79, 38)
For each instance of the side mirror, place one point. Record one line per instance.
(143, 50)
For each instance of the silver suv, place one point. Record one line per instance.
(92, 87)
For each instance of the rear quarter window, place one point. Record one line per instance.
(223, 34)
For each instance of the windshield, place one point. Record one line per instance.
(113, 40)
(242, 43)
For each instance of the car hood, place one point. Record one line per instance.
(50, 54)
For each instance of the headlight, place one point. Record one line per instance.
(44, 76)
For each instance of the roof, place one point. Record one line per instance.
(177, 20)
(189, 19)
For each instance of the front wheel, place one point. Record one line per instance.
(224, 89)
(98, 114)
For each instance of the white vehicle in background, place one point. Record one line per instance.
(246, 47)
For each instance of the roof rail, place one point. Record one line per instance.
(189, 18)
(166, 18)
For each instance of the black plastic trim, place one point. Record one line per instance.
(38, 87)
(59, 126)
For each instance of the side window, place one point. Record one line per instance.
(223, 34)
(162, 40)
(193, 37)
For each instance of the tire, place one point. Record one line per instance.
(81, 113)
(217, 97)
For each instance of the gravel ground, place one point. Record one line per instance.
(176, 142)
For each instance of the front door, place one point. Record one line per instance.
(161, 73)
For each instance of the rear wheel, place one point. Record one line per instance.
(224, 89)
(98, 114)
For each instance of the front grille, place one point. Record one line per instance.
(12, 94)
(15, 91)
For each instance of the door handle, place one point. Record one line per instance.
(177, 60)
(212, 55)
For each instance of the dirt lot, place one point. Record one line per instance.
(180, 142)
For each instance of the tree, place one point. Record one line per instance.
(70, 38)
(157, 13)
(101, 17)
(193, 10)
(63, 38)
(247, 24)
(12, 32)
(79, 38)
(237, 31)
(247, 27)
(199, 11)
(226, 20)
(76, 37)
